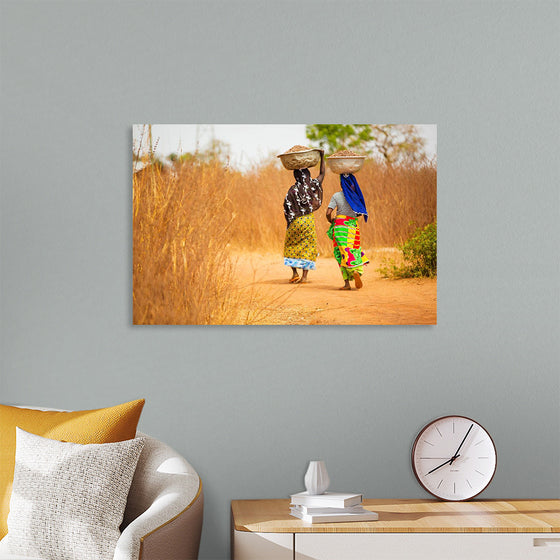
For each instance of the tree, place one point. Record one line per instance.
(335, 137)
(393, 143)
(399, 143)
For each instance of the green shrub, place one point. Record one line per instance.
(419, 255)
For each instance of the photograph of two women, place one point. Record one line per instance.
(322, 224)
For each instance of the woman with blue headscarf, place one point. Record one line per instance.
(345, 232)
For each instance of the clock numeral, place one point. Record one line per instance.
(479, 442)
(438, 432)
(479, 472)
(440, 483)
(429, 443)
(468, 482)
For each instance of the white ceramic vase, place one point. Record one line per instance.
(316, 478)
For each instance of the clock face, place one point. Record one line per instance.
(454, 458)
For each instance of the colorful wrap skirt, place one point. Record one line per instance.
(300, 245)
(345, 234)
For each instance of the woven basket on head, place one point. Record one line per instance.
(345, 164)
(300, 160)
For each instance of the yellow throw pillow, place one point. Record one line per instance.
(103, 425)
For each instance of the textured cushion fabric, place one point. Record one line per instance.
(17, 557)
(5, 555)
(104, 425)
(68, 499)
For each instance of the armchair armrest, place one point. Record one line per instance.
(163, 517)
(148, 538)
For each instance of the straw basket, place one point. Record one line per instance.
(300, 160)
(345, 164)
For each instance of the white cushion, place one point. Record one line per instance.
(17, 557)
(68, 499)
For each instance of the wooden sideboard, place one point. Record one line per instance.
(406, 529)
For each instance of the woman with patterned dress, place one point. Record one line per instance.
(303, 198)
(345, 231)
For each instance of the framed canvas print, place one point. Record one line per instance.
(318, 224)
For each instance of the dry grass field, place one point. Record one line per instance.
(192, 223)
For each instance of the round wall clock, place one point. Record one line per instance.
(454, 458)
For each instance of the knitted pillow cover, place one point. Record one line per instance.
(68, 499)
(103, 425)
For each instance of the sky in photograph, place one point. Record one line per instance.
(249, 144)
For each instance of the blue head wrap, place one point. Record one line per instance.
(353, 194)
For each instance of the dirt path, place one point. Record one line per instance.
(271, 300)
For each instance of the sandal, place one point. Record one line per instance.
(358, 281)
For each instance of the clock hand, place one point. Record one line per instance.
(439, 467)
(456, 455)
(461, 445)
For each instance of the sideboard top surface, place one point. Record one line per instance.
(409, 516)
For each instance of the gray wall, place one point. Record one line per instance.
(244, 404)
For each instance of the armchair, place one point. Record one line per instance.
(163, 516)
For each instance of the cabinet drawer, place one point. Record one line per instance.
(262, 546)
(427, 546)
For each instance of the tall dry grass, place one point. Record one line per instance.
(181, 225)
(189, 223)
(396, 197)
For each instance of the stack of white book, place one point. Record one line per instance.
(330, 507)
